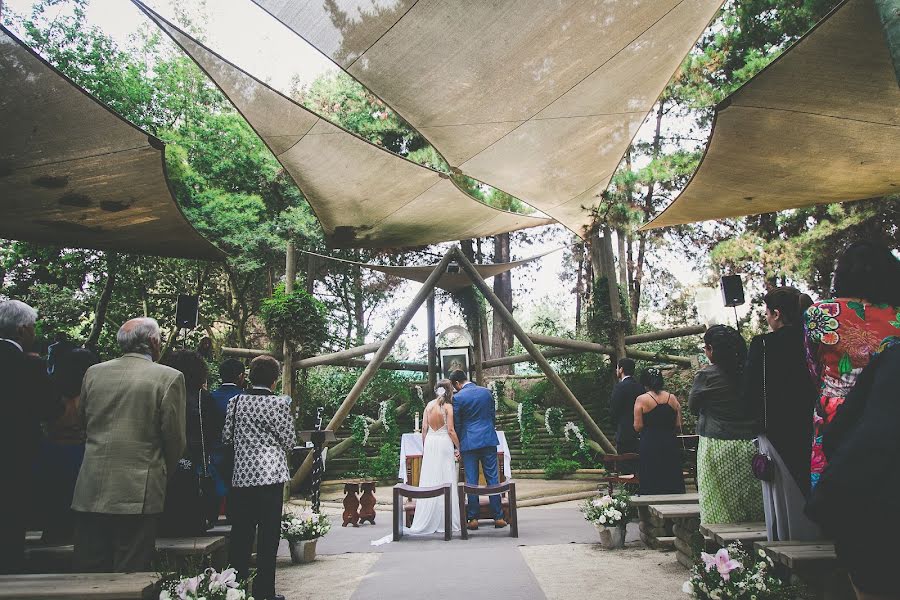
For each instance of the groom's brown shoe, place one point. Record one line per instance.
(472, 524)
(499, 523)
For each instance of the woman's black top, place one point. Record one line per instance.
(784, 412)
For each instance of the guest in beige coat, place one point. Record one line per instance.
(133, 411)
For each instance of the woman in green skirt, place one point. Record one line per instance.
(728, 491)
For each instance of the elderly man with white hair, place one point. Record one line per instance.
(26, 400)
(134, 415)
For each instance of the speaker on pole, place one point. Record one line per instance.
(732, 290)
(187, 311)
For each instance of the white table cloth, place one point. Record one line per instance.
(411, 445)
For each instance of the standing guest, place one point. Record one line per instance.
(781, 395)
(862, 446)
(190, 496)
(62, 451)
(842, 333)
(133, 411)
(728, 491)
(621, 406)
(233, 380)
(26, 401)
(474, 408)
(260, 425)
(657, 416)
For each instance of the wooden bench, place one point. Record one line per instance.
(685, 519)
(409, 491)
(508, 487)
(80, 586)
(414, 465)
(657, 533)
(727, 533)
(813, 564)
(211, 551)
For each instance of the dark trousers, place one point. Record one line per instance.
(628, 443)
(487, 456)
(12, 534)
(114, 543)
(256, 512)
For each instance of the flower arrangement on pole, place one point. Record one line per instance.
(210, 584)
(302, 531)
(573, 429)
(735, 574)
(609, 514)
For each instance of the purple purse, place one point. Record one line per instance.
(761, 464)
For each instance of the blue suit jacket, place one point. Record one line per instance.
(473, 414)
(221, 396)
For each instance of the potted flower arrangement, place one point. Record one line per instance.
(302, 531)
(609, 514)
(733, 573)
(209, 584)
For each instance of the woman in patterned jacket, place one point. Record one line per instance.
(260, 425)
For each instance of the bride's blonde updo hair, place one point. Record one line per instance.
(446, 387)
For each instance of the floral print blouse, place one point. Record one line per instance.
(841, 337)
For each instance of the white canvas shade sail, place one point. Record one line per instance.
(363, 195)
(450, 281)
(73, 173)
(540, 99)
(820, 124)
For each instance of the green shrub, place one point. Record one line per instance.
(557, 467)
(297, 318)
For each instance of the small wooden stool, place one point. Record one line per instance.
(367, 502)
(401, 490)
(351, 505)
(509, 486)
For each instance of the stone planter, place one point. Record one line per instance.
(303, 551)
(612, 537)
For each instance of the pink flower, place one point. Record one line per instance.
(188, 587)
(720, 562)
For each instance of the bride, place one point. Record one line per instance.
(439, 462)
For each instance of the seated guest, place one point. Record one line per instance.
(657, 416)
(62, 451)
(728, 491)
(857, 495)
(26, 401)
(233, 378)
(621, 406)
(842, 333)
(781, 394)
(133, 412)
(190, 496)
(260, 424)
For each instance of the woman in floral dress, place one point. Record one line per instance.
(843, 333)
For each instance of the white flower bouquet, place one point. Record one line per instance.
(307, 525)
(734, 574)
(209, 584)
(606, 511)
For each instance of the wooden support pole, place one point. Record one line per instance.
(432, 348)
(617, 333)
(665, 334)
(376, 361)
(582, 346)
(501, 312)
(329, 359)
(290, 276)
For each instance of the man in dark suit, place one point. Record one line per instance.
(26, 400)
(473, 408)
(621, 406)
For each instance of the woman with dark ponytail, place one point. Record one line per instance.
(728, 491)
(781, 395)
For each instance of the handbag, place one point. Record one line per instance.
(762, 465)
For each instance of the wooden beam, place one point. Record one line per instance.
(327, 359)
(386, 365)
(520, 358)
(501, 312)
(580, 345)
(665, 334)
(344, 445)
(247, 352)
(380, 356)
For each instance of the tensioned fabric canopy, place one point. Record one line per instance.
(363, 195)
(73, 173)
(820, 124)
(540, 99)
(450, 281)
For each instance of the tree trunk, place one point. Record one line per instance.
(112, 267)
(623, 267)
(359, 312)
(502, 334)
(579, 288)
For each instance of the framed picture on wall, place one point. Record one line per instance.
(453, 359)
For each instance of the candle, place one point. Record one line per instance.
(417, 422)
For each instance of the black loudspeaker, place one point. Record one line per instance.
(732, 290)
(187, 311)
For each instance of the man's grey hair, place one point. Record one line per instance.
(137, 337)
(13, 315)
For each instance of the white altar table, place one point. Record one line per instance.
(411, 445)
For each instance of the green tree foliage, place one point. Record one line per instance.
(297, 318)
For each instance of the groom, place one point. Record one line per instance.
(473, 408)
